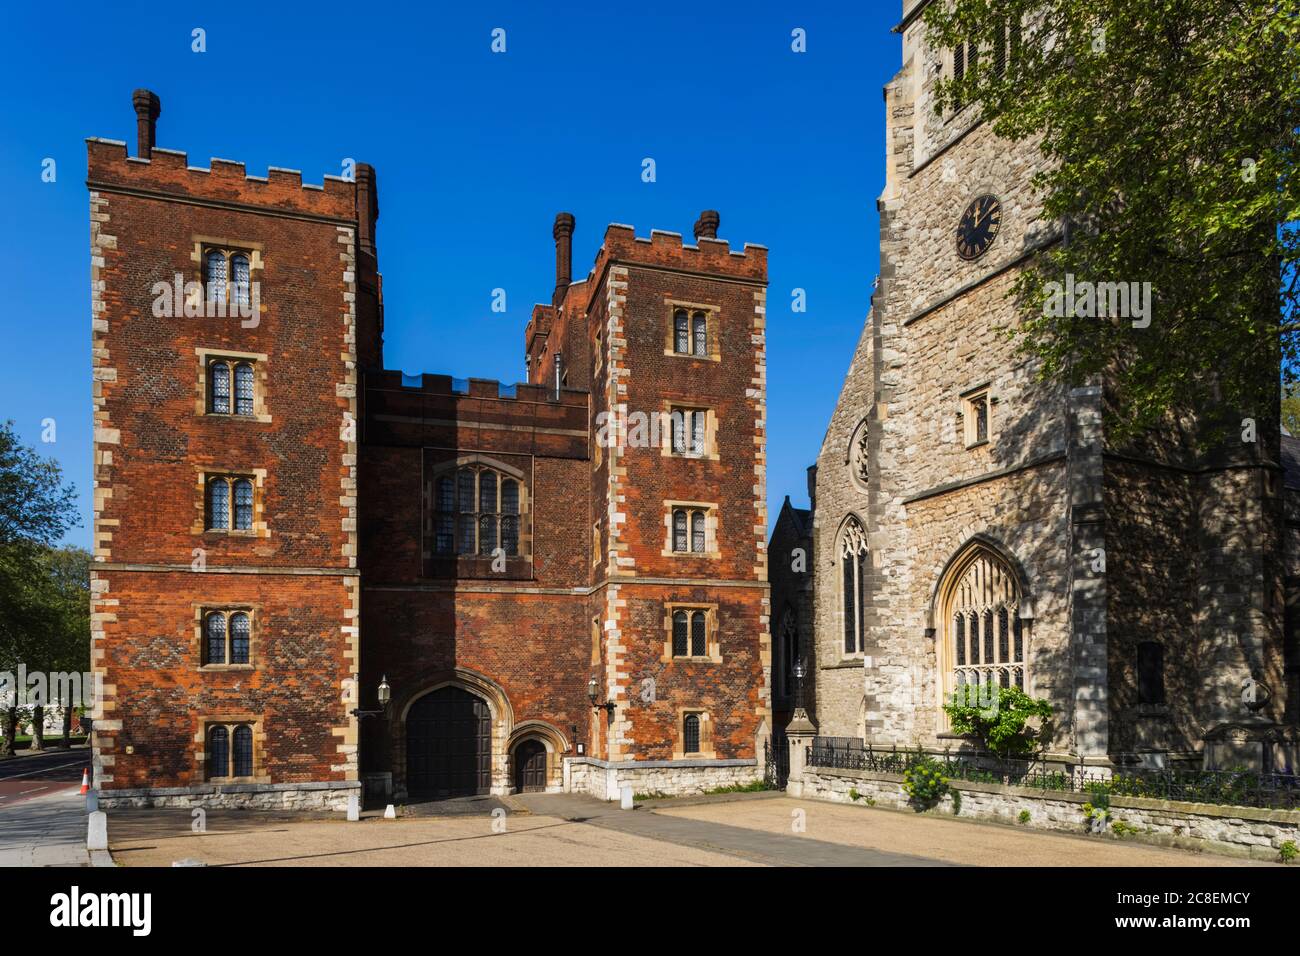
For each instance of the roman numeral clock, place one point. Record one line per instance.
(979, 226)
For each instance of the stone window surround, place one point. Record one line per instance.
(968, 415)
(476, 462)
(258, 360)
(706, 751)
(203, 244)
(712, 316)
(201, 612)
(945, 654)
(710, 509)
(257, 476)
(710, 452)
(231, 721)
(841, 655)
(712, 645)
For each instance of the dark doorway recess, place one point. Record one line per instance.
(448, 745)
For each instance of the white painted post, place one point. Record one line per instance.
(390, 812)
(97, 831)
(628, 803)
(354, 807)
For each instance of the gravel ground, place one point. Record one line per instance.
(955, 841)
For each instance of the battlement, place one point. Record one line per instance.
(447, 386)
(168, 171)
(710, 255)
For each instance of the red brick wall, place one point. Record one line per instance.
(152, 442)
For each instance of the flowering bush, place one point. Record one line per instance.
(924, 782)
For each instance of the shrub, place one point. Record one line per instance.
(1024, 816)
(1287, 851)
(1000, 726)
(924, 782)
(1123, 829)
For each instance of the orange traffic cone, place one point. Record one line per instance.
(85, 780)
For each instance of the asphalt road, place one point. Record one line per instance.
(42, 815)
(24, 778)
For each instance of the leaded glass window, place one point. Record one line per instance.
(218, 504)
(679, 530)
(243, 763)
(478, 514)
(700, 328)
(679, 634)
(239, 269)
(219, 388)
(243, 505)
(699, 635)
(214, 275)
(240, 635)
(215, 630)
(697, 532)
(243, 389)
(681, 332)
(691, 734)
(218, 752)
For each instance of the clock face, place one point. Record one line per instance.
(978, 227)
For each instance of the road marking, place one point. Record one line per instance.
(44, 770)
(37, 790)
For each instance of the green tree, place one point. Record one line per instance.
(36, 616)
(1170, 133)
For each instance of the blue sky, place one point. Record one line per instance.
(475, 153)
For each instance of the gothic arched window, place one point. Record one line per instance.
(853, 587)
(984, 635)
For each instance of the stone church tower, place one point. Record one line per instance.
(974, 525)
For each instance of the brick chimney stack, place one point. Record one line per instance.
(147, 107)
(563, 233)
(706, 227)
(367, 207)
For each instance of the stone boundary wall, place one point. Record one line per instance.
(605, 780)
(1234, 831)
(237, 796)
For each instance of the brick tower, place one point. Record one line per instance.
(228, 311)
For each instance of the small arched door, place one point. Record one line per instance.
(530, 767)
(449, 745)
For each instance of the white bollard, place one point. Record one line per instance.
(628, 803)
(390, 812)
(92, 801)
(354, 808)
(97, 831)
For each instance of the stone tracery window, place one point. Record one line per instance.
(985, 637)
(477, 510)
(853, 588)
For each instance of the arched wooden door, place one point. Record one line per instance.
(530, 766)
(449, 745)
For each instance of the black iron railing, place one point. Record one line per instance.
(1239, 788)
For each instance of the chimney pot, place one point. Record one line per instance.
(706, 227)
(147, 107)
